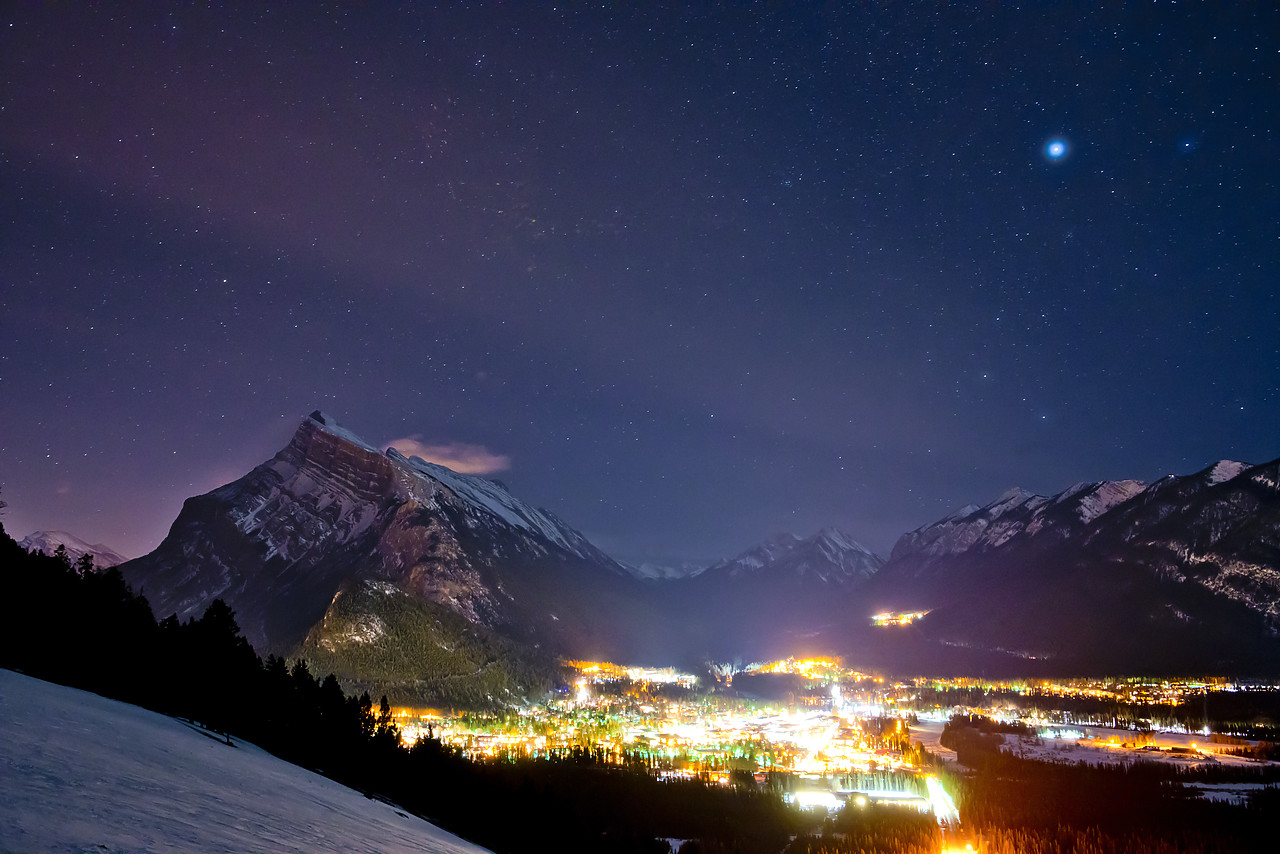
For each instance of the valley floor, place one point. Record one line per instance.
(1100, 746)
(1106, 746)
(79, 772)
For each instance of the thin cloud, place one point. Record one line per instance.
(459, 456)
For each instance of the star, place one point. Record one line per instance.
(1056, 149)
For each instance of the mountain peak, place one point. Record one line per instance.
(1013, 493)
(962, 512)
(829, 556)
(1010, 499)
(838, 539)
(331, 426)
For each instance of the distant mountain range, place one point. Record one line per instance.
(47, 542)
(771, 600)
(830, 557)
(1183, 573)
(402, 575)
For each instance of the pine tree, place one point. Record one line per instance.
(84, 564)
(387, 735)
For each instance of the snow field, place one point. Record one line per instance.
(79, 772)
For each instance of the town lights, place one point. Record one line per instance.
(811, 799)
(944, 808)
(889, 618)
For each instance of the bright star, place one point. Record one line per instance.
(1056, 149)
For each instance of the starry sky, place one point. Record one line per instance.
(686, 276)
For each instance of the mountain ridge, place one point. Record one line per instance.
(350, 554)
(845, 559)
(47, 542)
(1186, 569)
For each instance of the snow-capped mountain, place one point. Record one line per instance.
(829, 557)
(658, 570)
(1015, 515)
(301, 537)
(390, 570)
(1218, 528)
(1185, 569)
(47, 542)
(1171, 494)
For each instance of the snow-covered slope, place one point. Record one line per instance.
(47, 542)
(83, 773)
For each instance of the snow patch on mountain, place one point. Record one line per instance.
(1107, 495)
(961, 513)
(1093, 499)
(367, 629)
(1224, 470)
(1013, 499)
(1251, 584)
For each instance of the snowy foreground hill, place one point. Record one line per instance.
(83, 773)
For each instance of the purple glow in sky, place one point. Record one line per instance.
(687, 276)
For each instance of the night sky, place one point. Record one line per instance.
(686, 277)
